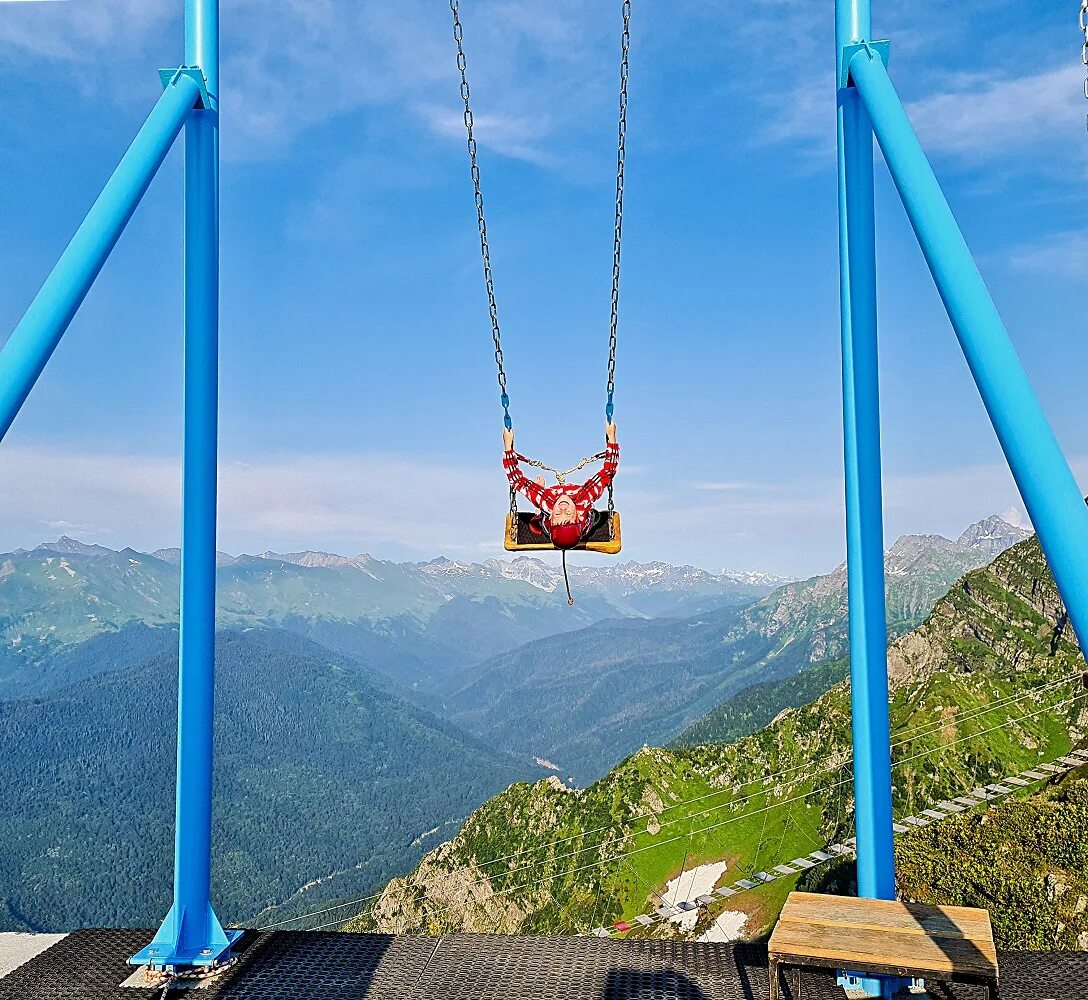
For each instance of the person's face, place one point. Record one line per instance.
(564, 511)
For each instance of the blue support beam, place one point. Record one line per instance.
(864, 504)
(192, 935)
(33, 341)
(1051, 495)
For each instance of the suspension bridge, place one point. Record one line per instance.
(192, 947)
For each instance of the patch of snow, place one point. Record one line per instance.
(546, 763)
(687, 886)
(67, 569)
(728, 927)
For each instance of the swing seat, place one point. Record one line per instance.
(522, 535)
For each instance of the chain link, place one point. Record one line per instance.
(1083, 21)
(481, 222)
(621, 156)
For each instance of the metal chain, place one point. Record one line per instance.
(1084, 49)
(621, 156)
(561, 475)
(485, 250)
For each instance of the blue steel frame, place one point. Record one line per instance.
(191, 934)
(868, 105)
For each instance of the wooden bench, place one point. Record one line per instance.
(881, 937)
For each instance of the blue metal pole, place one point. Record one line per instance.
(1051, 494)
(864, 514)
(192, 934)
(33, 341)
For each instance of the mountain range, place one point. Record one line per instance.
(414, 621)
(323, 778)
(345, 688)
(988, 685)
(585, 700)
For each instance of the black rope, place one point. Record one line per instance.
(566, 578)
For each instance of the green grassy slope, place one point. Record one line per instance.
(963, 712)
(1024, 859)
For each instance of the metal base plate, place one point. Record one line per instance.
(157, 957)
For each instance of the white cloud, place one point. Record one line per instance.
(979, 119)
(985, 116)
(81, 32)
(726, 487)
(1016, 516)
(1059, 255)
(287, 69)
(404, 508)
(344, 502)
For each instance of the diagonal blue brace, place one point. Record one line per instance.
(1051, 495)
(34, 340)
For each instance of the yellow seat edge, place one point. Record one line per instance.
(611, 547)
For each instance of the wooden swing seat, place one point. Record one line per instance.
(521, 536)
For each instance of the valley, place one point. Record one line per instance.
(989, 684)
(366, 709)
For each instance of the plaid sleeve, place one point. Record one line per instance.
(519, 482)
(600, 481)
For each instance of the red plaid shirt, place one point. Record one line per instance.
(584, 495)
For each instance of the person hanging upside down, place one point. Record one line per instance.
(566, 511)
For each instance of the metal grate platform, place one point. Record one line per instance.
(90, 965)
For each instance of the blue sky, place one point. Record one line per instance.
(359, 406)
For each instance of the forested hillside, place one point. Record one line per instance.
(988, 685)
(322, 777)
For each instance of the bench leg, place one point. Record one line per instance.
(772, 970)
(992, 992)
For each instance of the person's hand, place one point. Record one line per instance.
(610, 432)
(508, 438)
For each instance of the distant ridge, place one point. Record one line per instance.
(411, 619)
(587, 699)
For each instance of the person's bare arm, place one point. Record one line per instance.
(518, 480)
(600, 481)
